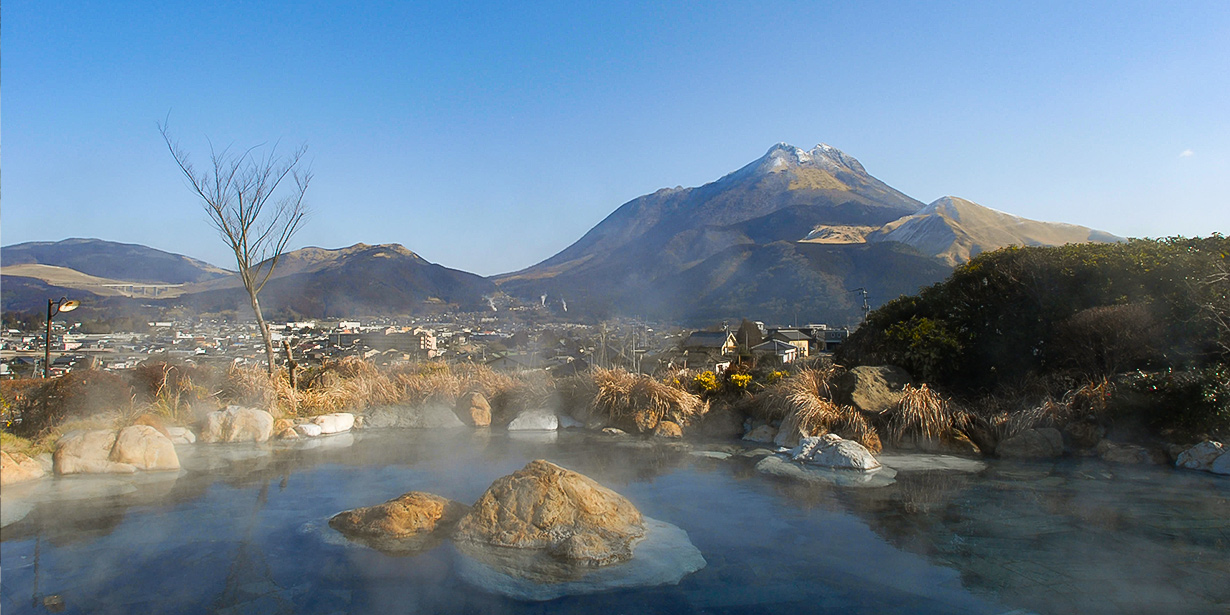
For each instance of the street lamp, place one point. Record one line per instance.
(54, 306)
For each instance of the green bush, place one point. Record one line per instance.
(1191, 401)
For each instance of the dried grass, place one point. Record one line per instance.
(640, 402)
(922, 415)
(805, 405)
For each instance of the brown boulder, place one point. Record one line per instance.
(546, 507)
(18, 467)
(281, 425)
(473, 409)
(872, 389)
(668, 429)
(411, 513)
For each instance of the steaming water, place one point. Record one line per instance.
(242, 530)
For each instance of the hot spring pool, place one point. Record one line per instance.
(242, 529)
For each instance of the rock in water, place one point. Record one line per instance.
(407, 523)
(146, 448)
(543, 506)
(832, 451)
(237, 424)
(88, 452)
(18, 467)
(1201, 456)
(1040, 443)
(473, 409)
(308, 430)
(534, 420)
(334, 423)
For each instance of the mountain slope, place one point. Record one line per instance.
(359, 280)
(955, 230)
(112, 260)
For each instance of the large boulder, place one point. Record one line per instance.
(1201, 456)
(406, 523)
(431, 416)
(545, 507)
(833, 451)
(88, 452)
(237, 424)
(1038, 443)
(473, 409)
(334, 423)
(534, 420)
(18, 467)
(872, 389)
(145, 448)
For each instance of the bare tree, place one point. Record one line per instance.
(1217, 303)
(250, 201)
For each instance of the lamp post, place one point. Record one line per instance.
(54, 306)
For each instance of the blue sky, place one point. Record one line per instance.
(487, 137)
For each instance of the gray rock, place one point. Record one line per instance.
(1201, 456)
(761, 433)
(413, 417)
(832, 451)
(1221, 465)
(1040, 443)
(1124, 453)
(777, 466)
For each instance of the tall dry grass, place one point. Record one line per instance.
(804, 404)
(639, 402)
(922, 415)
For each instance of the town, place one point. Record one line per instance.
(561, 348)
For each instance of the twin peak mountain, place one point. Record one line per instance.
(785, 238)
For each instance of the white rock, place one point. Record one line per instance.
(832, 451)
(309, 430)
(237, 424)
(181, 435)
(1201, 456)
(334, 423)
(145, 448)
(88, 452)
(534, 420)
(778, 466)
(663, 557)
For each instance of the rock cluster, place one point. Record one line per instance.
(1209, 456)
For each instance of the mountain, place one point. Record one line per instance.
(359, 280)
(657, 254)
(789, 237)
(955, 230)
(116, 261)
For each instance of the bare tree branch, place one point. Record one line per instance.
(252, 206)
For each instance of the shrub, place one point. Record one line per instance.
(77, 394)
(1190, 401)
(706, 382)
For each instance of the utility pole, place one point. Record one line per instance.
(866, 306)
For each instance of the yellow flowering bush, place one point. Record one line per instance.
(741, 380)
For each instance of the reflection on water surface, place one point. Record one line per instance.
(243, 530)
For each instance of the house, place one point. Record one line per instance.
(714, 342)
(776, 350)
(794, 337)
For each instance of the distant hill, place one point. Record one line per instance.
(359, 280)
(788, 237)
(955, 230)
(116, 261)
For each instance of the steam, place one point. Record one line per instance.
(491, 302)
(564, 302)
(543, 300)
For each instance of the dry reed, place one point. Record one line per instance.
(804, 403)
(921, 415)
(640, 402)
